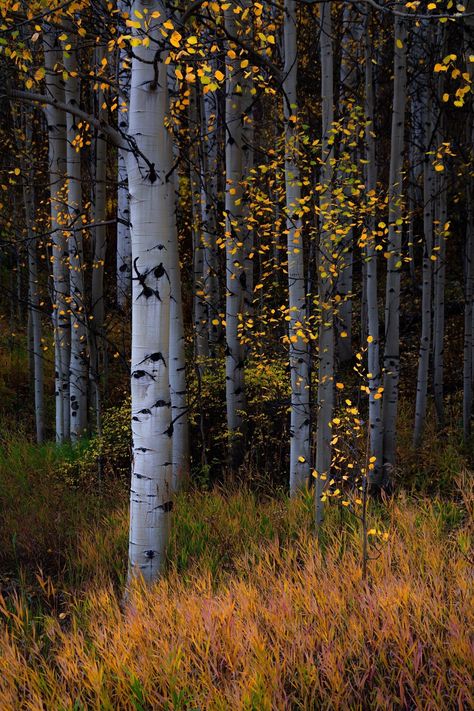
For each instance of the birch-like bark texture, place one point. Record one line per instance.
(248, 138)
(56, 121)
(350, 58)
(78, 364)
(299, 349)
(235, 274)
(394, 261)
(373, 344)
(152, 215)
(124, 247)
(426, 299)
(326, 327)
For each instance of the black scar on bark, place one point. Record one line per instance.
(152, 176)
(123, 268)
(141, 374)
(159, 271)
(170, 430)
(160, 403)
(166, 507)
(154, 357)
(145, 411)
(150, 554)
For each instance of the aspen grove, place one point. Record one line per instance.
(236, 270)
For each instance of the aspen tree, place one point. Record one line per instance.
(326, 328)
(299, 349)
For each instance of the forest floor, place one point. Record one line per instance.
(252, 613)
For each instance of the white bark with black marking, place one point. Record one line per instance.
(152, 216)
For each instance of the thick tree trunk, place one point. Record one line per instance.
(394, 260)
(124, 247)
(152, 224)
(299, 347)
(78, 363)
(326, 327)
(56, 121)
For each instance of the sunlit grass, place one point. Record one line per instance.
(252, 612)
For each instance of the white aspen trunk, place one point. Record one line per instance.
(350, 43)
(373, 343)
(78, 364)
(438, 305)
(394, 262)
(56, 121)
(33, 303)
(300, 418)
(208, 167)
(326, 327)
(235, 275)
(177, 356)
(124, 246)
(152, 224)
(425, 342)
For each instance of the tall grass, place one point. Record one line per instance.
(253, 614)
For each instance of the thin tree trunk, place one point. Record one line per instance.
(56, 121)
(299, 347)
(438, 306)
(394, 260)
(235, 274)
(373, 344)
(78, 363)
(326, 328)
(426, 301)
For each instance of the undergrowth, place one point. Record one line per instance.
(252, 613)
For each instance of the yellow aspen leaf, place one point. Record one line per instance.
(399, 43)
(175, 39)
(39, 74)
(219, 75)
(168, 25)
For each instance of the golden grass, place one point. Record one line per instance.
(254, 614)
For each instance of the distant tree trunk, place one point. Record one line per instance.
(177, 357)
(299, 348)
(373, 344)
(33, 303)
(124, 247)
(56, 121)
(208, 168)
(99, 243)
(200, 310)
(425, 342)
(394, 260)
(468, 365)
(78, 363)
(152, 226)
(349, 79)
(438, 305)
(235, 274)
(326, 328)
